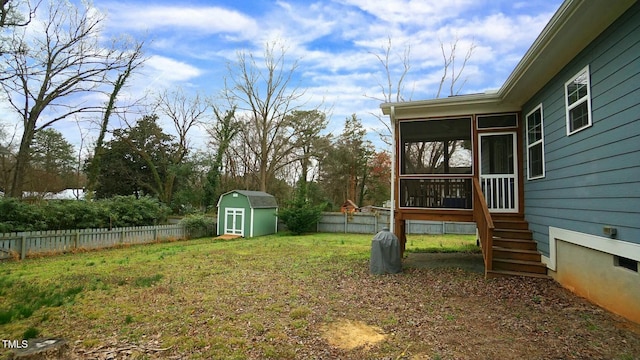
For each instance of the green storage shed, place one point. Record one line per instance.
(247, 213)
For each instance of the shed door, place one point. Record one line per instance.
(234, 221)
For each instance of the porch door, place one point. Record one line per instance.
(234, 221)
(498, 169)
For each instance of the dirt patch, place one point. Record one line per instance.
(348, 335)
(227, 237)
(468, 262)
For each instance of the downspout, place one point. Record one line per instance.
(392, 116)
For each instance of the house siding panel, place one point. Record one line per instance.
(593, 176)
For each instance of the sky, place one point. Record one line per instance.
(189, 44)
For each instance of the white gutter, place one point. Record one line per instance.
(394, 146)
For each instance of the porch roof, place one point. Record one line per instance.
(570, 30)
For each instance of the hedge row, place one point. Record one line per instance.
(119, 211)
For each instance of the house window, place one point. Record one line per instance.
(436, 146)
(497, 121)
(578, 101)
(535, 144)
(626, 263)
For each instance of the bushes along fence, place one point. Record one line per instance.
(30, 243)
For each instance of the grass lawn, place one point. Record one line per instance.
(285, 297)
(442, 243)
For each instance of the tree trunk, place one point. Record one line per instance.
(94, 166)
(264, 162)
(22, 162)
(263, 179)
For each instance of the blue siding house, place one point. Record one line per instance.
(552, 176)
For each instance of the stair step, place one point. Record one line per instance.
(514, 251)
(511, 224)
(516, 254)
(513, 233)
(506, 273)
(519, 266)
(521, 244)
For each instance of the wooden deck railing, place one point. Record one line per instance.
(482, 217)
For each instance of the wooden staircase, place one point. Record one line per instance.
(514, 251)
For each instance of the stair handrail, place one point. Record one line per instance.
(484, 222)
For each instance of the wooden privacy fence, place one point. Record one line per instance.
(57, 241)
(371, 223)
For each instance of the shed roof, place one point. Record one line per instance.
(348, 203)
(257, 199)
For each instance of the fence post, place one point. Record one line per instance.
(375, 223)
(76, 238)
(155, 234)
(345, 222)
(23, 247)
(122, 236)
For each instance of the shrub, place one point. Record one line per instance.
(119, 211)
(128, 211)
(199, 225)
(16, 215)
(72, 214)
(300, 216)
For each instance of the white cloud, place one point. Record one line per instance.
(203, 19)
(411, 11)
(167, 70)
(157, 73)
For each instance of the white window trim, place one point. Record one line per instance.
(541, 141)
(586, 98)
(234, 212)
(251, 224)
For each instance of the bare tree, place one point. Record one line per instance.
(450, 74)
(54, 67)
(394, 90)
(264, 93)
(12, 15)
(135, 60)
(391, 89)
(185, 113)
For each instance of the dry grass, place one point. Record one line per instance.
(442, 243)
(274, 297)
